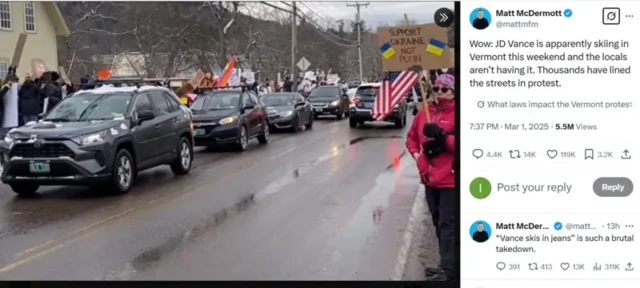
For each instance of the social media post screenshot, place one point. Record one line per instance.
(543, 139)
(548, 246)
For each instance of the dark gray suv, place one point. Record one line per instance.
(101, 136)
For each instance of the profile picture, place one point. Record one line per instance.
(480, 231)
(480, 18)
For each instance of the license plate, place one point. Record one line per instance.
(39, 167)
(199, 132)
(319, 109)
(368, 105)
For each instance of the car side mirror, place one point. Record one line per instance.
(248, 107)
(145, 115)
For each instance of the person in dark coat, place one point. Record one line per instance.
(84, 82)
(288, 85)
(29, 101)
(51, 90)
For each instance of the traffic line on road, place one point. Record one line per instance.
(85, 231)
(282, 153)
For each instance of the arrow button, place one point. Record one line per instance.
(443, 17)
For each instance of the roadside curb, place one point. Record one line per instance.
(413, 235)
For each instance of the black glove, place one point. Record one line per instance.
(432, 130)
(432, 148)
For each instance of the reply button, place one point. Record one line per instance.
(613, 187)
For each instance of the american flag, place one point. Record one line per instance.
(394, 87)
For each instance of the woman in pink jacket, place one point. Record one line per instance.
(432, 145)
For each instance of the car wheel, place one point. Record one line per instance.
(123, 172)
(353, 123)
(398, 122)
(243, 138)
(25, 189)
(309, 124)
(182, 164)
(263, 138)
(295, 124)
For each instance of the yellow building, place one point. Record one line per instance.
(42, 22)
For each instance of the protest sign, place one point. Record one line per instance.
(234, 79)
(195, 81)
(38, 67)
(309, 75)
(63, 75)
(333, 79)
(406, 46)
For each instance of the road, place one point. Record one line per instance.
(332, 203)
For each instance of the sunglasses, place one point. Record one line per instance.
(437, 89)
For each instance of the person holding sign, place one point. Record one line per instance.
(432, 144)
(183, 94)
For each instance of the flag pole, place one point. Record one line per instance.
(425, 98)
(423, 92)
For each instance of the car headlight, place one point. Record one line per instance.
(8, 139)
(89, 139)
(227, 120)
(335, 103)
(286, 113)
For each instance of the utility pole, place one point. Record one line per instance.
(293, 44)
(359, 24)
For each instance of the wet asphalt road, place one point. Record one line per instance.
(331, 203)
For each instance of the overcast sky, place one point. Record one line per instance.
(376, 14)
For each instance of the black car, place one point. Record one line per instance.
(229, 117)
(101, 136)
(288, 110)
(364, 99)
(329, 100)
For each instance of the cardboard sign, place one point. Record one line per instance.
(38, 68)
(17, 53)
(63, 75)
(195, 81)
(406, 46)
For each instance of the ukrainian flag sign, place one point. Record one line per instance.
(387, 51)
(403, 47)
(436, 47)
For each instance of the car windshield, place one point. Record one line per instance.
(283, 99)
(217, 101)
(367, 91)
(90, 106)
(324, 93)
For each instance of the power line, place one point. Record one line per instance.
(328, 22)
(315, 24)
